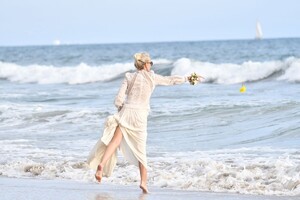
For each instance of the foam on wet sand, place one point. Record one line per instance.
(16, 188)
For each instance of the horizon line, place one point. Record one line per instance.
(146, 42)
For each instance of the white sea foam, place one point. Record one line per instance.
(82, 73)
(292, 74)
(263, 171)
(227, 73)
(236, 170)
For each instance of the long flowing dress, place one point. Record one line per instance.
(132, 119)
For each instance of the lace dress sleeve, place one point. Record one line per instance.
(168, 80)
(120, 98)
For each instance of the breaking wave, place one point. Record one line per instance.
(227, 73)
(224, 73)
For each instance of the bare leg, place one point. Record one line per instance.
(143, 173)
(114, 143)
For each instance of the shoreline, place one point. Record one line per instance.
(30, 188)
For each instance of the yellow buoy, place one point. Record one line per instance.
(243, 89)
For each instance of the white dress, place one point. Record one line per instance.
(132, 119)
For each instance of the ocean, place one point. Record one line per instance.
(206, 137)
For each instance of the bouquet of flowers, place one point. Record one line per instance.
(194, 78)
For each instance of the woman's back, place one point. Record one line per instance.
(141, 90)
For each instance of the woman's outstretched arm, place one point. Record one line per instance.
(169, 80)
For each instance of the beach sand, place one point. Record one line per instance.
(16, 188)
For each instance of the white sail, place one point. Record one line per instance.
(259, 33)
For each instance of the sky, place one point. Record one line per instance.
(36, 22)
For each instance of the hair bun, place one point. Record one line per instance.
(137, 56)
(140, 59)
(142, 56)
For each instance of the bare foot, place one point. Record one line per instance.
(99, 172)
(144, 189)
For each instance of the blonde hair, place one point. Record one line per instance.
(140, 60)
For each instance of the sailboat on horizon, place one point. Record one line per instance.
(259, 33)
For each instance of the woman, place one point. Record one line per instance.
(128, 128)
